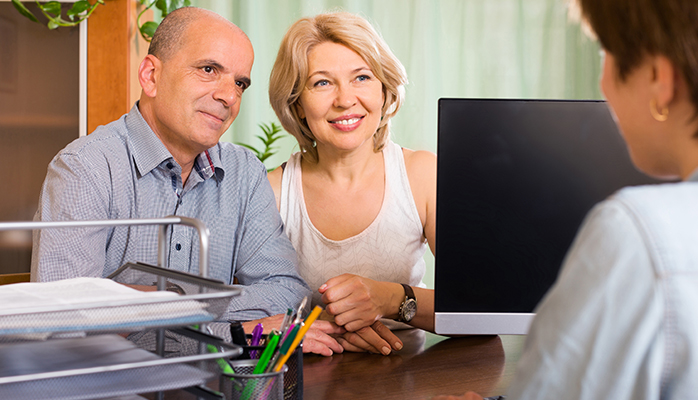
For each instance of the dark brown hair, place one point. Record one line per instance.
(632, 29)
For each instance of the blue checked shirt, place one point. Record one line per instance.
(123, 170)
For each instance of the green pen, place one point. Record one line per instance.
(272, 341)
(225, 366)
(222, 363)
(284, 348)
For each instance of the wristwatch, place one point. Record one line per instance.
(408, 308)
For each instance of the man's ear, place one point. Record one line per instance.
(149, 74)
(665, 78)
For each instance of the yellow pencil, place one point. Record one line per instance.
(306, 325)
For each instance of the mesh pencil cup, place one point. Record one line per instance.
(293, 378)
(244, 385)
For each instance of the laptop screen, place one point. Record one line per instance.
(515, 181)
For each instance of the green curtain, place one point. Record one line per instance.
(450, 48)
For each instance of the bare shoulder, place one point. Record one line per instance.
(420, 165)
(275, 178)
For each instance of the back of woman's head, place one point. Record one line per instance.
(632, 29)
(290, 72)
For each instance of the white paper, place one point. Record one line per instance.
(90, 304)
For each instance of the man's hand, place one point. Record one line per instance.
(318, 339)
(269, 323)
(376, 338)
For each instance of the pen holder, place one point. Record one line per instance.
(293, 378)
(244, 385)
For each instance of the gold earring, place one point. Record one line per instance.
(661, 117)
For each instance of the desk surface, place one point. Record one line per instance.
(428, 365)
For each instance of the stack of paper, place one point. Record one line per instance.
(83, 304)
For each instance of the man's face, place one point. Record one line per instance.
(199, 87)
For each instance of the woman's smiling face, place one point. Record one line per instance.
(342, 99)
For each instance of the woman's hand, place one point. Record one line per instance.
(357, 302)
(376, 338)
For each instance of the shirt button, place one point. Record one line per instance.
(178, 247)
(169, 165)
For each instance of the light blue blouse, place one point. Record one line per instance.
(621, 322)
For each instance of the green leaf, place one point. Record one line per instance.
(148, 29)
(167, 6)
(52, 24)
(23, 10)
(78, 8)
(52, 7)
(163, 6)
(175, 4)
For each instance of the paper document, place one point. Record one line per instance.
(91, 304)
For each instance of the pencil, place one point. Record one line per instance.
(306, 325)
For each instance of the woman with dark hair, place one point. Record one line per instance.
(621, 321)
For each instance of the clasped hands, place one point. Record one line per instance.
(354, 306)
(351, 320)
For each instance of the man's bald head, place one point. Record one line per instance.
(170, 35)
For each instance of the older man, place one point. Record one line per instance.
(163, 158)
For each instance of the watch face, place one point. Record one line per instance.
(409, 309)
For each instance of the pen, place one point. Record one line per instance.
(266, 354)
(237, 333)
(289, 330)
(299, 313)
(222, 362)
(256, 336)
(301, 332)
(287, 320)
(288, 340)
(272, 341)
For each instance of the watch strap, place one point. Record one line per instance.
(409, 293)
(409, 297)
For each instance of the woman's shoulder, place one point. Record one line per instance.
(420, 164)
(276, 177)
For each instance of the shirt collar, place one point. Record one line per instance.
(209, 164)
(149, 152)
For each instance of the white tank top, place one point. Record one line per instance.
(390, 249)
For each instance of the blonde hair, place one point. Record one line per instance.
(290, 72)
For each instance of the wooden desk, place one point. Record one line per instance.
(429, 365)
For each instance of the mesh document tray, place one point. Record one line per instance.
(204, 300)
(97, 367)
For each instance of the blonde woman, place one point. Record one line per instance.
(358, 208)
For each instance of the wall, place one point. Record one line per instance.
(38, 117)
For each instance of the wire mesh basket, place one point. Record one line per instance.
(96, 367)
(244, 385)
(293, 378)
(202, 300)
(81, 361)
